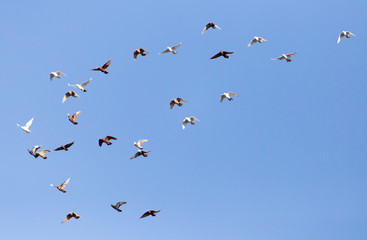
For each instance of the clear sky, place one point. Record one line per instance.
(284, 160)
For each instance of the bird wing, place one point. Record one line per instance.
(174, 47)
(76, 114)
(222, 97)
(35, 148)
(252, 42)
(51, 76)
(43, 152)
(67, 218)
(185, 121)
(29, 123)
(135, 54)
(60, 73)
(291, 54)
(351, 34)
(66, 97)
(232, 94)
(142, 50)
(100, 141)
(205, 28)
(165, 51)
(217, 26)
(110, 137)
(120, 203)
(59, 148)
(146, 214)
(142, 141)
(216, 55)
(135, 155)
(194, 118)
(106, 64)
(180, 99)
(72, 85)
(279, 58)
(227, 52)
(171, 104)
(65, 183)
(69, 145)
(86, 83)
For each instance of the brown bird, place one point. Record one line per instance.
(140, 152)
(118, 205)
(69, 216)
(68, 94)
(36, 154)
(176, 101)
(150, 212)
(139, 51)
(103, 68)
(64, 147)
(210, 25)
(61, 187)
(106, 140)
(72, 118)
(221, 53)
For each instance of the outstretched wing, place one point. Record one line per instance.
(279, 58)
(291, 54)
(252, 42)
(185, 121)
(205, 28)
(232, 94)
(66, 97)
(67, 218)
(216, 55)
(227, 52)
(120, 203)
(135, 54)
(43, 152)
(86, 83)
(110, 137)
(142, 141)
(35, 148)
(146, 214)
(194, 118)
(174, 47)
(180, 99)
(100, 141)
(29, 123)
(76, 114)
(106, 64)
(135, 155)
(69, 145)
(65, 183)
(222, 97)
(59, 148)
(171, 104)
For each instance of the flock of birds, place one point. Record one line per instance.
(176, 101)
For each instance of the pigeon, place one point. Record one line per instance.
(81, 86)
(287, 57)
(36, 154)
(171, 49)
(344, 34)
(72, 118)
(210, 25)
(139, 153)
(176, 101)
(26, 127)
(61, 187)
(69, 216)
(64, 147)
(228, 96)
(103, 68)
(68, 94)
(106, 140)
(139, 51)
(189, 120)
(138, 144)
(221, 53)
(118, 205)
(256, 39)
(55, 74)
(150, 213)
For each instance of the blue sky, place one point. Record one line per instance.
(284, 160)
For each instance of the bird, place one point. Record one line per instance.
(81, 86)
(176, 101)
(150, 213)
(62, 185)
(221, 53)
(69, 216)
(68, 94)
(210, 25)
(138, 144)
(103, 68)
(287, 57)
(64, 147)
(72, 118)
(36, 154)
(139, 51)
(106, 140)
(344, 34)
(118, 205)
(256, 39)
(27, 126)
(171, 49)
(139, 153)
(56, 74)
(189, 120)
(228, 96)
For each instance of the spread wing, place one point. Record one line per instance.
(174, 47)
(216, 55)
(205, 28)
(69, 145)
(136, 155)
(106, 64)
(59, 148)
(100, 141)
(351, 34)
(65, 183)
(222, 97)
(29, 123)
(165, 51)
(43, 152)
(67, 218)
(110, 137)
(142, 141)
(291, 54)
(194, 118)
(279, 58)
(120, 203)
(232, 94)
(51, 76)
(66, 97)
(76, 114)
(60, 73)
(185, 121)
(227, 52)
(252, 42)
(135, 54)
(340, 37)
(146, 214)
(35, 148)
(142, 50)
(86, 83)
(171, 104)
(180, 99)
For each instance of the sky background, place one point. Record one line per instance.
(284, 160)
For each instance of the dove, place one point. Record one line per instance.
(150, 213)
(138, 144)
(189, 120)
(139, 153)
(287, 57)
(81, 86)
(106, 140)
(176, 101)
(118, 205)
(171, 49)
(69, 216)
(210, 25)
(221, 53)
(62, 185)
(255, 40)
(36, 154)
(228, 96)
(64, 147)
(344, 34)
(103, 68)
(139, 51)
(72, 118)
(55, 74)
(68, 94)
(27, 126)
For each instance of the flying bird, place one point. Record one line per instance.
(55, 74)
(64, 147)
(72, 118)
(69, 216)
(287, 57)
(62, 185)
(150, 213)
(176, 101)
(27, 126)
(81, 86)
(221, 53)
(139, 51)
(103, 68)
(68, 94)
(138, 144)
(210, 25)
(228, 96)
(106, 140)
(189, 120)
(139, 153)
(36, 154)
(171, 49)
(256, 39)
(118, 205)
(344, 34)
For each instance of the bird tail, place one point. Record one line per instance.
(105, 72)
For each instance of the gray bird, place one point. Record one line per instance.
(139, 153)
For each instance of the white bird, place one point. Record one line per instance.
(81, 86)
(55, 74)
(171, 49)
(189, 120)
(256, 39)
(228, 96)
(286, 57)
(138, 144)
(344, 34)
(26, 127)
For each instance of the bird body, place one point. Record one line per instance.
(139, 51)
(150, 213)
(27, 126)
(103, 68)
(81, 86)
(56, 74)
(72, 118)
(221, 53)
(118, 205)
(210, 25)
(171, 49)
(177, 102)
(189, 120)
(255, 40)
(140, 153)
(62, 186)
(228, 96)
(69, 216)
(68, 94)
(346, 34)
(106, 140)
(138, 144)
(287, 57)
